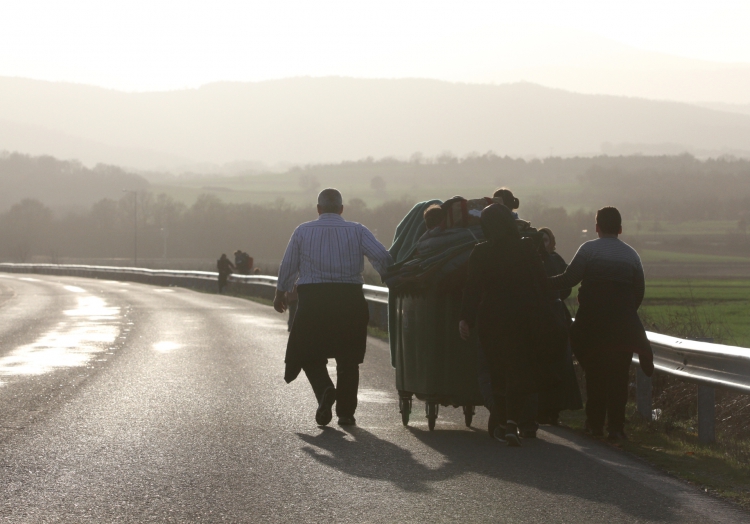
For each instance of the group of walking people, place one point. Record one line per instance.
(512, 300)
(513, 297)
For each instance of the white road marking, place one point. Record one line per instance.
(75, 289)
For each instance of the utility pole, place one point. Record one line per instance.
(135, 225)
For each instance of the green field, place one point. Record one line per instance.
(681, 228)
(718, 308)
(653, 255)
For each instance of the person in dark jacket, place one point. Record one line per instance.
(607, 330)
(225, 267)
(568, 395)
(504, 297)
(510, 201)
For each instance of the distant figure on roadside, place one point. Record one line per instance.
(225, 267)
(256, 271)
(325, 259)
(243, 262)
(607, 330)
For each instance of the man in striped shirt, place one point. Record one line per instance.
(325, 259)
(607, 330)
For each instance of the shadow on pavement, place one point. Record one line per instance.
(538, 464)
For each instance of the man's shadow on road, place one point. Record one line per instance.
(358, 452)
(539, 464)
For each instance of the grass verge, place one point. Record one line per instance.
(721, 469)
(377, 333)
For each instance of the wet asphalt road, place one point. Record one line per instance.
(130, 403)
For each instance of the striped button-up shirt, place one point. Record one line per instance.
(330, 250)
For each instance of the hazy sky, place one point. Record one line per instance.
(146, 45)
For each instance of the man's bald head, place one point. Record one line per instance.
(330, 201)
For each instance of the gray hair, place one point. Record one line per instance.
(330, 200)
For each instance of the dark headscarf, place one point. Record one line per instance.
(498, 223)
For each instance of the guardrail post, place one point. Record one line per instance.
(643, 394)
(706, 414)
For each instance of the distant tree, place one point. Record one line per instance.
(29, 229)
(377, 184)
(309, 183)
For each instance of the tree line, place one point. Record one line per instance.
(678, 187)
(203, 230)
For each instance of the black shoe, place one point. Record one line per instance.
(498, 433)
(511, 435)
(347, 421)
(594, 432)
(616, 436)
(324, 415)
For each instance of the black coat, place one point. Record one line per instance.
(330, 322)
(505, 298)
(607, 320)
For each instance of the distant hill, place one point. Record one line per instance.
(743, 109)
(306, 120)
(61, 185)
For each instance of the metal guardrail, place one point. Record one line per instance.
(715, 365)
(709, 365)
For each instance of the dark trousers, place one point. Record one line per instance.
(519, 407)
(347, 383)
(507, 403)
(485, 379)
(607, 377)
(223, 281)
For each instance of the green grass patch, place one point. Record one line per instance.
(377, 333)
(654, 255)
(721, 305)
(722, 469)
(669, 228)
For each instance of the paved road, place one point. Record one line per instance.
(129, 403)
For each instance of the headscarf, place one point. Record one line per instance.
(498, 223)
(550, 235)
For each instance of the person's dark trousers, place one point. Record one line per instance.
(529, 412)
(485, 379)
(292, 312)
(519, 407)
(347, 383)
(222, 281)
(607, 377)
